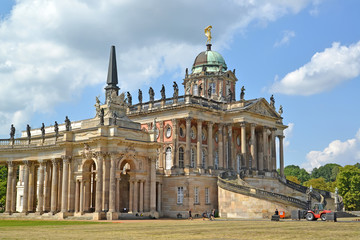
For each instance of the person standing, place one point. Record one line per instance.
(190, 216)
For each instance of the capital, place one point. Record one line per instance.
(65, 158)
(199, 121)
(281, 137)
(54, 161)
(188, 120)
(253, 125)
(242, 124)
(210, 123)
(42, 162)
(10, 163)
(26, 163)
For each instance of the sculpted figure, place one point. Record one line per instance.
(272, 101)
(176, 90)
(56, 129)
(208, 33)
(200, 89)
(242, 94)
(186, 72)
(129, 98)
(281, 111)
(97, 106)
(151, 94)
(67, 124)
(230, 95)
(102, 117)
(28, 131)
(12, 131)
(162, 91)
(210, 91)
(42, 130)
(140, 96)
(187, 88)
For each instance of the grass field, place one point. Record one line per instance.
(178, 229)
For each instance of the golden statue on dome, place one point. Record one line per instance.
(208, 33)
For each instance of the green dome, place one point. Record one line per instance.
(211, 60)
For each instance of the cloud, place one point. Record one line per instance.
(287, 35)
(343, 153)
(288, 134)
(326, 70)
(51, 50)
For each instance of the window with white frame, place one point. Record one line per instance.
(216, 160)
(207, 199)
(193, 158)
(196, 195)
(180, 195)
(168, 158)
(181, 157)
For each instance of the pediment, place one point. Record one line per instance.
(263, 108)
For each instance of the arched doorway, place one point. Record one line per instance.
(126, 169)
(89, 186)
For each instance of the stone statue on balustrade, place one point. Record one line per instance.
(162, 91)
(140, 96)
(272, 101)
(151, 94)
(43, 131)
(28, 131)
(176, 90)
(209, 91)
(242, 94)
(67, 124)
(102, 114)
(129, 98)
(56, 130)
(230, 96)
(12, 132)
(281, 111)
(97, 106)
(200, 89)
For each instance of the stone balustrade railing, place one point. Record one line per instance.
(21, 142)
(258, 193)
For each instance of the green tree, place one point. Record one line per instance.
(293, 179)
(298, 172)
(318, 183)
(328, 172)
(3, 183)
(348, 183)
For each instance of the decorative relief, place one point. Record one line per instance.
(87, 152)
(261, 109)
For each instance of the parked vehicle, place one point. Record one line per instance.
(317, 212)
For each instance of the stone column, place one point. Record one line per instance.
(210, 145)
(141, 196)
(54, 183)
(159, 197)
(112, 192)
(9, 187)
(47, 195)
(99, 182)
(71, 194)
(65, 184)
(265, 147)
(252, 147)
(117, 207)
(188, 142)
(199, 144)
(152, 186)
(59, 187)
(40, 206)
(82, 193)
(136, 197)
(77, 196)
(243, 144)
(273, 149)
(174, 143)
(281, 152)
(230, 146)
(162, 152)
(31, 188)
(106, 174)
(26, 187)
(13, 189)
(221, 146)
(131, 195)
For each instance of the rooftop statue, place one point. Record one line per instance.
(140, 96)
(281, 111)
(272, 101)
(151, 94)
(97, 106)
(129, 98)
(210, 91)
(42, 130)
(176, 90)
(101, 115)
(28, 131)
(208, 33)
(242, 94)
(200, 89)
(162, 91)
(67, 124)
(230, 95)
(12, 131)
(56, 129)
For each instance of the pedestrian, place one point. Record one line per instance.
(212, 214)
(190, 216)
(276, 212)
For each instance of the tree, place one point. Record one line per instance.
(328, 172)
(318, 183)
(3, 183)
(293, 179)
(348, 183)
(298, 172)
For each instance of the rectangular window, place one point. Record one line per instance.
(196, 195)
(180, 195)
(207, 200)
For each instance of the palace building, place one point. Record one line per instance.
(201, 151)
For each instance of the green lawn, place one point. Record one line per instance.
(178, 229)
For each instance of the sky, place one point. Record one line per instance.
(54, 59)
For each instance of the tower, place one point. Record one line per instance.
(112, 77)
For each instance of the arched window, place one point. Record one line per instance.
(193, 158)
(181, 157)
(203, 158)
(195, 90)
(168, 158)
(216, 160)
(213, 88)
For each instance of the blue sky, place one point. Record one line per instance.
(54, 58)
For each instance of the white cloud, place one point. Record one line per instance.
(288, 134)
(50, 50)
(343, 153)
(287, 35)
(326, 70)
